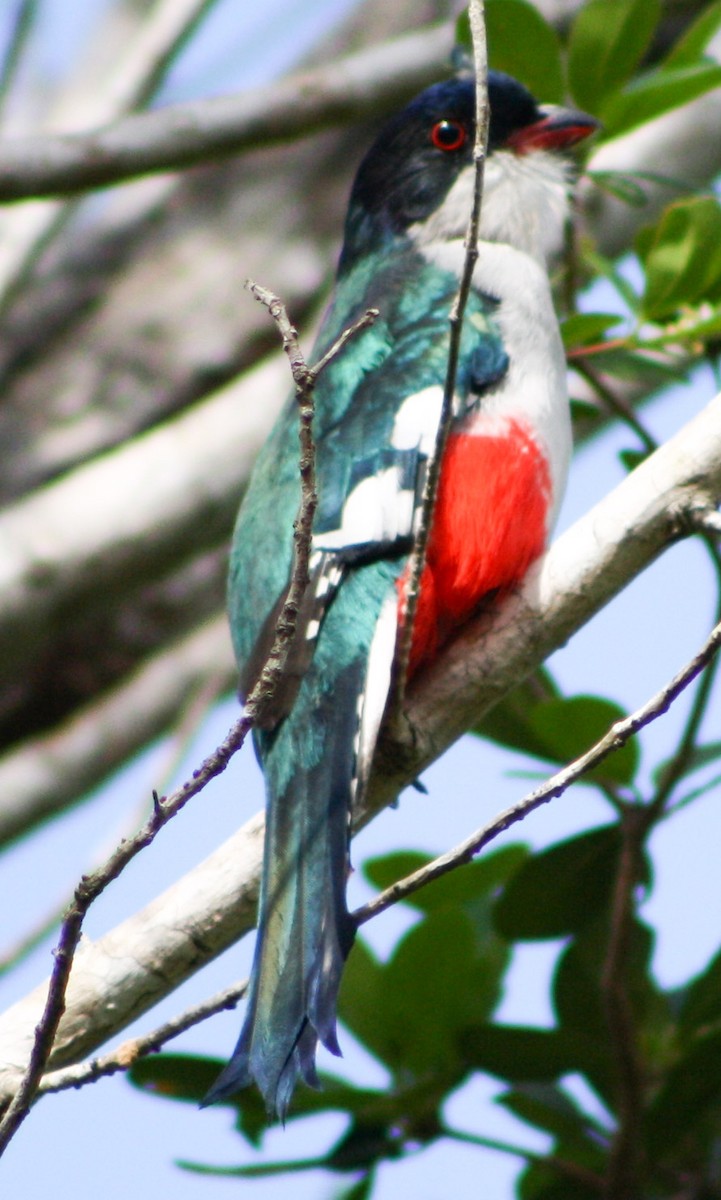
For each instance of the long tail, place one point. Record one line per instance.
(304, 931)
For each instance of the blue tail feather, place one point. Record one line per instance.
(305, 931)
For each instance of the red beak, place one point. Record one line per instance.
(557, 129)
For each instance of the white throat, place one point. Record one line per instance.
(525, 204)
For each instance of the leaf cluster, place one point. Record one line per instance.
(426, 1015)
(667, 307)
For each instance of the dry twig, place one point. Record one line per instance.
(433, 468)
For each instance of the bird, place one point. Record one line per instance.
(377, 412)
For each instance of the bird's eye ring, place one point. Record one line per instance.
(448, 135)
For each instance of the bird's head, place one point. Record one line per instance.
(416, 180)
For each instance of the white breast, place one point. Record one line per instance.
(534, 388)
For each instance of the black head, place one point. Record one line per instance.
(422, 150)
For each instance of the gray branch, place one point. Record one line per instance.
(127, 971)
(50, 771)
(129, 327)
(351, 89)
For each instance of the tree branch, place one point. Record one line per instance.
(119, 977)
(615, 737)
(145, 957)
(129, 1052)
(116, 382)
(86, 893)
(352, 88)
(160, 497)
(261, 694)
(25, 232)
(48, 773)
(92, 886)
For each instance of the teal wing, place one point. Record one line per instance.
(377, 409)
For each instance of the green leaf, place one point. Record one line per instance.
(580, 1008)
(577, 997)
(567, 728)
(598, 264)
(358, 1191)
(656, 93)
(360, 1004)
(371, 1136)
(583, 329)
(521, 43)
(633, 458)
(690, 1090)
(363, 1146)
(455, 941)
(561, 889)
(606, 45)
(636, 367)
(535, 720)
(690, 47)
(709, 785)
(188, 1078)
(463, 31)
(682, 258)
(585, 413)
(452, 967)
(701, 1003)
(508, 723)
(691, 328)
(549, 1108)
(541, 1181)
(518, 1053)
(452, 964)
(184, 1077)
(580, 1000)
(622, 185)
(462, 888)
(387, 869)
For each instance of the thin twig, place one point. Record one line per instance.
(568, 1170)
(618, 406)
(584, 569)
(613, 739)
(165, 808)
(433, 468)
(87, 891)
(130, 1051)
(258, 1170)
(304, 378)
(578, 1174)
(195, 708)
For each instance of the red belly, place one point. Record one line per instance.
(489, 524)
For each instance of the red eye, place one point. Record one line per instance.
(448, 135)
